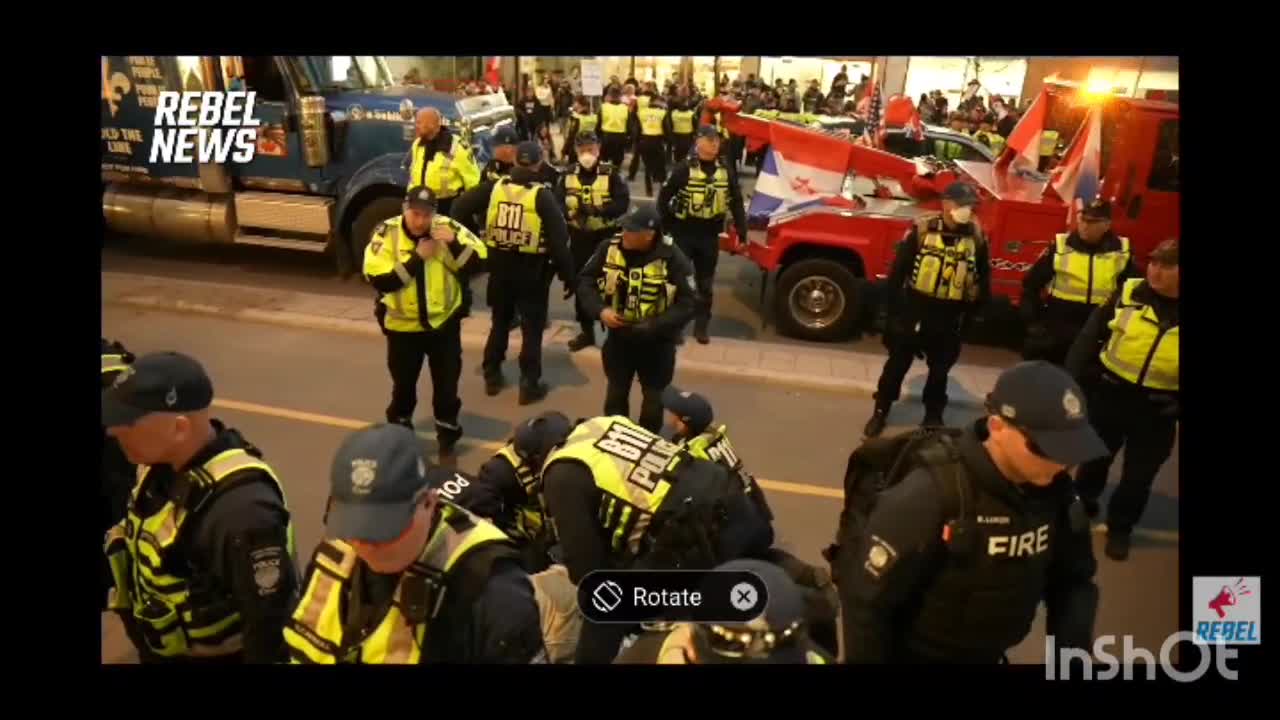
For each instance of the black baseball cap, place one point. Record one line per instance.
(708, 131)
(1098, 209)
(535, 437)
(961, 193)
(1046, 404)
(421, 198)
(586, 137)
(1166, 252)
(375, 484)
(167, 382)
(528, 154)
(779, 636)
(690, 407)
(644, 217)
(505, 135)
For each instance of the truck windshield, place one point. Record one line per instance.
(352, 72)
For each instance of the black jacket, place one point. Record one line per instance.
(472, 208)
(906, 597)
(237, 528)
(1083, 361)
(677, 181)
(619, 191)
(907, 306)
(1061, 316)
(665, 326)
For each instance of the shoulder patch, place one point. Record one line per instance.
(880, 557)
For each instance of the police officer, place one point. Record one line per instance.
(203, 562)
(780, 636)
(642, 289)
(406, 577)
(940, 278)
(614, 123)
(505, 140)
(414, 262)
(697, 197)
(440, 160)
(581, 121)
(651, 147)
(680, 126)
(594, 197)
(1127, 358)
(118, 474)
(611, 510)
(522, 224)
(953, 561)
(1081, 271)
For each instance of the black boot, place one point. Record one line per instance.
(932, 419)
(532, 392)
(700, 333)
(585, 339)
(876, 424)
(447, 438)
(1118, 544)
(493, 384)
(1091, 508)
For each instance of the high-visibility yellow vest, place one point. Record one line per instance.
(388, 251)
(642, 102)
(704, 197)
(714, 445)
(1084, 278)
(632, 468)
(682, 122)
(529, 516)
(945, 272)
(1140, 350)
(153, 582)
(651, 120)
(1048, 142)
(614, 116)
(767, 114)
(594, 195)
(635, 293)
(512, 223)
(113, 363)
(447, 174)
(316, 632)
(994, 140)
(586, 123)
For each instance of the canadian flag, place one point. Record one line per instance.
(1023, 147)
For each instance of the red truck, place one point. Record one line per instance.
(829, 257)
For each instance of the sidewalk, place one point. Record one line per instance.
(806, 367)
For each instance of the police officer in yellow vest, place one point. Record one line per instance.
(681, 120)
(1080, 272)
(621, 497)
(1126, 358)
(651, 146)
(405, 577)
(441, 161)
(414, 262)
(118, 473)
(1048, 149)
(614, 123)
(528, 242)
(581, 120)
(594, 197)
(641, 287)
(940, 279)
(695, 201)
(203, 563)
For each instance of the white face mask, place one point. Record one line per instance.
(962, 215)
(587, 160)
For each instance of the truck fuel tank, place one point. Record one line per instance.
(169, 213)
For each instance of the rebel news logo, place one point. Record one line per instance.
(205, 127)
(1227, 610)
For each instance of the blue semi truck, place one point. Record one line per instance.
(330, 150)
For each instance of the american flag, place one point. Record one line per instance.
(874, 116)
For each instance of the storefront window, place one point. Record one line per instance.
(999, 76)
(657, 68)
(947, 74)
(189, 70)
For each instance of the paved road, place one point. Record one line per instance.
(296, 393)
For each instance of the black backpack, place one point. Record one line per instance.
(880, 463)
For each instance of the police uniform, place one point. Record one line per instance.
(464, 599)
(954, 560)
(653, 294)
(1127, 358)
(202, 564)
(940, 278)
(523, 226)
(651, 147)
(681, 120)
(618, 494)
(579, 124)
(643, 101)
(593, 198)
(419, 312)
(695, 201)
(1079, 277)
(614, 123)
(118, 473)
(444, 165)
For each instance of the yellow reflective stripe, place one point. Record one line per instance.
(393, 641)
(210, 630)
(618, 538)
(113, 363)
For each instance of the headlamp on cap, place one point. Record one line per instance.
(744, 643)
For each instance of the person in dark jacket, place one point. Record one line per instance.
(955, 559)
(643, 318)
(940, 279)
(1079, 271)
(1126, 357)
(118, 474)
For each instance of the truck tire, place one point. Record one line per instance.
(375, 212)
(818, 299)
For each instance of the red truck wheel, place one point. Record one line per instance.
(817, 299)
